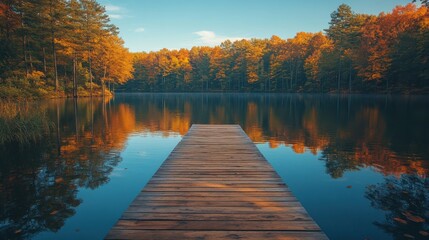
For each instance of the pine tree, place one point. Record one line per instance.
(95, 26)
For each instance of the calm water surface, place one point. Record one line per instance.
(358, 164)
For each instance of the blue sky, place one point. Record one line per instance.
(150, 25)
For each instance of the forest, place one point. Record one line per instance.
(58, 48)
(358, 53)
(61, 48)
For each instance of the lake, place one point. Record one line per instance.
(358, 164)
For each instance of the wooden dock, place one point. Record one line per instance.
(215, 185)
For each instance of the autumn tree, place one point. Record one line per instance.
(112, 62)
(390, 46)
(275, 59)
(199, 58)
(218, 68)
(9, 24)
(45, 44)
(344, 31)
(54, 19)
(314, 65)
(95, 26)
(247, 56)
(184, 75)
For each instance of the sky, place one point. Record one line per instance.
(150, 25)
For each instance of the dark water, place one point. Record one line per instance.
(358, 164)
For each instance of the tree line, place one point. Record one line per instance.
(70, 48)
(357, 53)
(62, 47)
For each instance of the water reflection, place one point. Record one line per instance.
(39, 182)
(406, 200)
(387, 133)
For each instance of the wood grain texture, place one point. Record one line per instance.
(215, 185)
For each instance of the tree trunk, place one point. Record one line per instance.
(30, 61)
(296, 72)
(74, 77)
(339, 76)
(350, 78)
(291, 75)
(58, 129)
(24, 49)
(163, 83)
(54, 52)
(65, 78)
(90, 71)
(387, 85)
(266, 84)
(44, 61)
(24, 46)
(76, 120)
(102, 81)
(92, 121)
(54, 56)
(103, 88)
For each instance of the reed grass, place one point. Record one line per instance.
(22, 122)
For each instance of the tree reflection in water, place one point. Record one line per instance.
(406, 202)
(35, 195)
(39, 182)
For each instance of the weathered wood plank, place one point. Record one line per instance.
(215, 235)
(218, 225)
(219, 194)
(293, 216)
(239, 199)
(237, 203)
(214, 180)
(215, 185)
(210, 189)
(226, 210)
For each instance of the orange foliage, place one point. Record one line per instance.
(298, 148)
(301, 131)
(379, 36)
